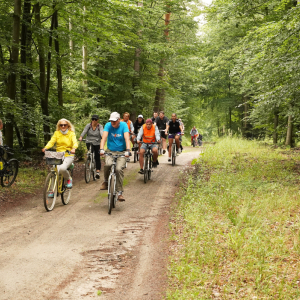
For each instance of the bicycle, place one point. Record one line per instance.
(194, 142)
(55, 182)
(148, 162)
(90, 165)
(112, 179)
(173, 151)
(8, 168)
(160, 145)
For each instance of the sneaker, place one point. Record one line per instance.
(141, 171)
(154, 164)
(50, 195)
(104, 185)
(164, 151)
(157, 162)
(98, 175)
(121, 198)
(69, 184)
(178, 151)
(128, 159)
(169, 159)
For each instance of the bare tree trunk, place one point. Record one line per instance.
(230, 119)
(160, 93)
(276, 120)
(84, 58)
(42, 66)
(12, 77)
(71, 43)
(289, 133)
(25, 59)
(58, 61)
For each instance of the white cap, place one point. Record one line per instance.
(114, 116)
(140, 116)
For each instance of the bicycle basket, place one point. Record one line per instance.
(54, 158)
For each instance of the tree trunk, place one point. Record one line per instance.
(276, 120)
(58, 61)
(12, 77)
(230, 119)
(26, 53)
(160, 92)
(84, 58)
(71, 43)
(289, 133)
(42, 66)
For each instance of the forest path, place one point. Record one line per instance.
(78, 250)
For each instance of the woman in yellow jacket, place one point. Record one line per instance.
(65, 139)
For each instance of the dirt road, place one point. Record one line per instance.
(78, 251)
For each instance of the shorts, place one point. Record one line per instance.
(163, 135)
(172, 136)
(151, 146)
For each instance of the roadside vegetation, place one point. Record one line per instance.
(236, 230)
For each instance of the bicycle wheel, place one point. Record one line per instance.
(173, 155)
(135, 157)
(88, 169)
(150, 168)
(93, 168)
(10, 173)
(50, 187)
(66, 194)
(194, 143)
(111, 193)
(145, 168)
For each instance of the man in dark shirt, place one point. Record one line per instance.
(175, 129)
(155, 115)
(161, 123)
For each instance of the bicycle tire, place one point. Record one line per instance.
(87, 173)
(194, 143)
(111, 193)
(145, 168)
(50, 185)
(94, 172)
(10, 173)
(150, 168)
(173, 155)
(66, 194)
(135, 157)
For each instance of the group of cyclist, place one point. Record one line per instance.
(118, 133)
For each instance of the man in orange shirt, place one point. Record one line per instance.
(149, 136)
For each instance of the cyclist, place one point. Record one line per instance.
(180, 138)
(199, 139)
(65, 139)
(193, 133)
(155, 115)
(125, 119)
(116, 133)
(137, 125)
(1, 127)
(174, 128)
(150, 134)
(161, 122)
(94, 132)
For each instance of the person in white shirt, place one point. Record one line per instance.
(1, 127)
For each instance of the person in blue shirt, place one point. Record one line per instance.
(116, 133)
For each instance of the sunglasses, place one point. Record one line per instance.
(93, 119)
(63, 125)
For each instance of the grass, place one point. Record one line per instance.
(27, 181)
(236, 230)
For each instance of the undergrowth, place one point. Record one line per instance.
(236, 230)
